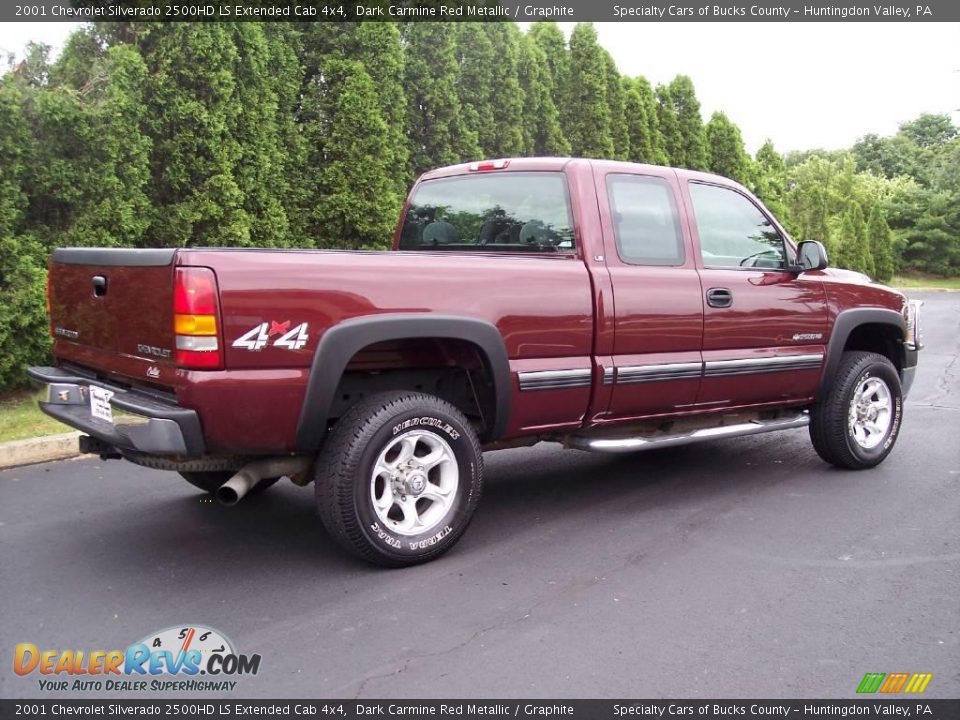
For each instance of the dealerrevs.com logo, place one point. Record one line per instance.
(182, 658)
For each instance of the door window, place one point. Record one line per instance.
(733, 232)
(645, 220)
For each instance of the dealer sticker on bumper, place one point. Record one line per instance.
(100, 403)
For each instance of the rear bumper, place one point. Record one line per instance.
(141, 422)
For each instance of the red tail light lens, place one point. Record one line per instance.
(196, 319)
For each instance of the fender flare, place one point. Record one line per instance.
(846, 322)
(342, 341)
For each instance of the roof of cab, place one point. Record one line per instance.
(556, 164)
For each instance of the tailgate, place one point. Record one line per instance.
(112, 310)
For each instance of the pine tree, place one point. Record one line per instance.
(852, 246)
(658, 155)
(619, 131)
(508, 97)
(881, 244)
(669, 126)
(769, 182)
(548, 37)
(377, 46)
(475, 84)
(192, 105)
(357, 205)
(542, 132)
(434, 124)
(725, 148)
(638, 124)
(24, 334)
(589, 112)
(693, 146)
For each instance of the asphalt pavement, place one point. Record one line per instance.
(738, 568)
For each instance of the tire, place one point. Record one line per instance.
(849, 427)
(210, 480)
(408, 512)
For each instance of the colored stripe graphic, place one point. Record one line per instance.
(894, 683)
(870, 683)
(918, 682)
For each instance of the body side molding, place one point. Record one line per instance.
(342, 341)
(845, 323)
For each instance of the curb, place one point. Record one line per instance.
(38, 450)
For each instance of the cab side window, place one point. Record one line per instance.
(733, 232)
(645, 220)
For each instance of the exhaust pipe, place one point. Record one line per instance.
(233, 490)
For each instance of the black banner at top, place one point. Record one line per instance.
(479, 11)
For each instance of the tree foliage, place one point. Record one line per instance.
(308, 135)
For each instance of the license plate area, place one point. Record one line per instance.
(100, 404)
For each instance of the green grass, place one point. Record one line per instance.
(926, 283)
(20, 418)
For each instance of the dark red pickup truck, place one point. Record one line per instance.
(606, 306)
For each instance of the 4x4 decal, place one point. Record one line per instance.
(260, 336)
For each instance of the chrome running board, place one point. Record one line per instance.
(634, 444)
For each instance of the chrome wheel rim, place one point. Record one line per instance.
(414, 482)
(871, 412)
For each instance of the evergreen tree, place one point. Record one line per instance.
(434, 124)
(548, 37)
(191, 100)
(619, 131)
(693, 146)
(669, 126)
(475, 59)
(638, 124)
(658, 155)
(377, 46)
(508, 96)
(725, 148)
(24, 334)
(853, 247)
(357, 205)
(881, 244)
(589, 112)
(769, 182)
(542, 132)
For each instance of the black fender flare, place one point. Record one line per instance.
(342, 341)
(846, 322)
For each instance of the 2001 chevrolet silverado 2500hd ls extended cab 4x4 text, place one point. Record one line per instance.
(607, 306)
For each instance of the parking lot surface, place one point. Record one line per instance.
(739, 568)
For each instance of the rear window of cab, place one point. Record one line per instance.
(513, 212)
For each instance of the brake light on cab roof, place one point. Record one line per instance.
(489, 165)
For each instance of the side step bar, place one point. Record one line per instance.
(634, 444)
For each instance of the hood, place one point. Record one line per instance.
(849, 276)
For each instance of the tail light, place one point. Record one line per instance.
(196, 319)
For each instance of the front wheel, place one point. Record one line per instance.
(856, 425)
(399, 478)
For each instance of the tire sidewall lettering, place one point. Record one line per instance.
(884, 447)
(427, 421)
(457, 517)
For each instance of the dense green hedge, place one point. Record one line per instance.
(286, 135)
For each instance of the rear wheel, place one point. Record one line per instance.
(857, 424)
(209, 481)
(399, 478)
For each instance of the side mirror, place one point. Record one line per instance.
(811, 255)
